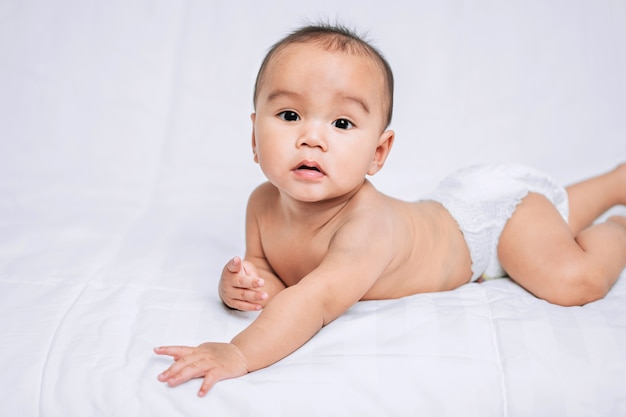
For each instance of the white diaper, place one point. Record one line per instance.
(482, 199)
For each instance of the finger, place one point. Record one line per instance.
(187, 368)
(234, 265)
(244, 305)
(207, 383)
(249, 270)
(247, 281)
(177, 353)
(243, 294)
(174, 351)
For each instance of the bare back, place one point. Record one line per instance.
(421, 246)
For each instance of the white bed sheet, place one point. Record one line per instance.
(125, 167)
(80, 343)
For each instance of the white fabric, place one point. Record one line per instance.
(482, 198)
(125, 166)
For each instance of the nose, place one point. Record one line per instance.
(313, 135)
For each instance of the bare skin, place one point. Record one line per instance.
(424, 241)
(537, 248)
(570, 263)
(319, 237)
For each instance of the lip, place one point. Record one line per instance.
(309, 169)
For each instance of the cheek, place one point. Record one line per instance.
(271, 142)
(361, 155)
(269, 153)
(353, 164)
(261, 136)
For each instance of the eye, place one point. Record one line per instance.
(343, 124)
(289, 116)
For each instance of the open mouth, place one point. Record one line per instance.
(309, 168)
(307, 165)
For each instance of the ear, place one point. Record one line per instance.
(256, 157)
(382, 151)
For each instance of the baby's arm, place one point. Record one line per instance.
(296, 314)
(250, 284)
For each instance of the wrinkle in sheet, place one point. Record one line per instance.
(498, 358)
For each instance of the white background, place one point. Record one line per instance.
(125, 166)
(108, 94)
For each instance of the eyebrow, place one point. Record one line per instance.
(282, 93)
(274, 95)
(358, 101)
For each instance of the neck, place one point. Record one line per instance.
(318, 213)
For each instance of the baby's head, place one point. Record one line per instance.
(333, 39)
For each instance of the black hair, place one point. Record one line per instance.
(334, 38)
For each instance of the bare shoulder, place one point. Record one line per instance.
(262, 197)
(264, 190)
(260, 203)
(370, 220)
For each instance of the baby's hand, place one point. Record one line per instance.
(213, 361)
(241, 287)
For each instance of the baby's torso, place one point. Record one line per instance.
(433, 257)
(429, 252)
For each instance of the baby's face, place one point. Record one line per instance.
(319, 120)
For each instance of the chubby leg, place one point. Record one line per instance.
(539, 251)
(590, 198)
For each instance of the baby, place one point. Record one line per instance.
(320, 237)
